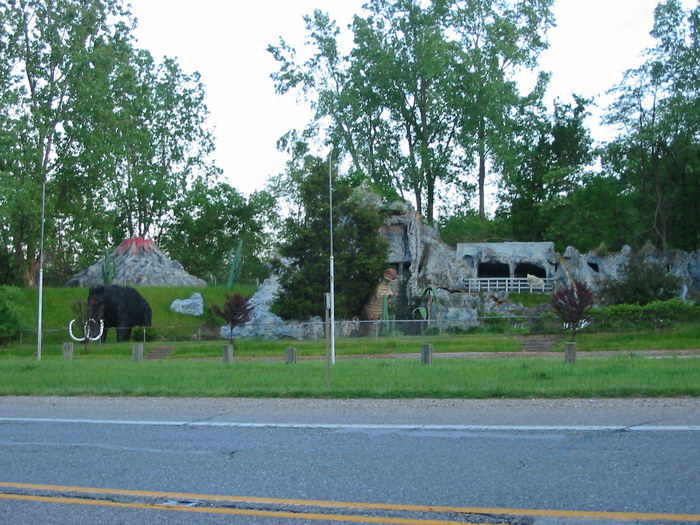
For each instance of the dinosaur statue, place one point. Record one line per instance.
(372, 309)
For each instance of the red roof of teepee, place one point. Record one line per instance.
(137, 246)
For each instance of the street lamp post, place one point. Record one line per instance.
(332, 269)
(41, 271)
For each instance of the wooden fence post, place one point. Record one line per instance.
(137, 352)
(290, 355)
(426, 354)
(228, 354)
(68, 351)
(570, 352)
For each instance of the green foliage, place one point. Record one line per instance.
(597, 212)
(654, 314)
(543, 166)
(657, 154)
(115, 136)
(142, 334)
(465, 227)
(209, 222)
(426, 88)
(644, 282)
(529, 300)
(495, 324)
(544, 323)
(13, 313)
(359, 252)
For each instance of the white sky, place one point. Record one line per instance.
(593, 43)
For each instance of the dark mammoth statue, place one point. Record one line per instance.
(119, 306)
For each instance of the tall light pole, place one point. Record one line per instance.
(41, 270)
(332, 269)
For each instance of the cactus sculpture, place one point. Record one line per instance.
(108, 270)
(236, 264)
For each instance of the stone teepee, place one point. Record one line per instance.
(138, 262)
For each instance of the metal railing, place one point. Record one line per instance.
(510, 284)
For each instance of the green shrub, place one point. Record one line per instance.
(625, 316)
(433, 330)
(13, 312)
(495, 324)
(644, 283)
(457, 330)
(544, 323)
(146, 333)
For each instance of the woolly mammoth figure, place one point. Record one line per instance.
(119, 306)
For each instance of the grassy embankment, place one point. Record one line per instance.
(57, 311)
(620, 376)
(195, 368)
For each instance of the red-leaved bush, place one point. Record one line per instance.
(236, 311)
(571, 305)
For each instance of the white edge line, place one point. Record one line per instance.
(342, 426)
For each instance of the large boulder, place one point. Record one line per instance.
(192, 306)
(138, 262)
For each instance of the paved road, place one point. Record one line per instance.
(115, 460)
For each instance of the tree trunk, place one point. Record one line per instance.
(482, 166)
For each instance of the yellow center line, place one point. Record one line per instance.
(238, 512)
(552, 513)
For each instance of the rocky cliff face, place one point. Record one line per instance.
(423, 261)
(138, 262)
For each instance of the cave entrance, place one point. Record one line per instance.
(493, 270)
(522, 270)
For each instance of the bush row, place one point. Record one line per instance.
(654, 313)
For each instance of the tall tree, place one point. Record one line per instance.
(116, 137)
(359, 252)
(53, 52)
(543, 165)
(206, 226)
(422, 79)
(499, 38)
(657, 155)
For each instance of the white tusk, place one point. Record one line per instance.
(70, 332)
(87, 333)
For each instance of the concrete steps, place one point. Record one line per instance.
(540, 343)
(160, 352)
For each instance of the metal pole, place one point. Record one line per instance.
(332, 269)
(41, 271)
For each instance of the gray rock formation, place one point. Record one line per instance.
(422, 259)
(508, 259)
(192, 306)
(138, 262)
(266, 325)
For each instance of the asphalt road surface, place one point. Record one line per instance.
(144, 460)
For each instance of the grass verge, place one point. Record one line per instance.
(619, 376)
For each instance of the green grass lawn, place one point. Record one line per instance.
(57, 311)
(195, 367)
(681, 337)
(620, 376)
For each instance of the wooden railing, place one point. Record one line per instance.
(510, 284)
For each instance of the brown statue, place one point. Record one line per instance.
(373, 308)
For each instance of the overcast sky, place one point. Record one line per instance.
(593, 43)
